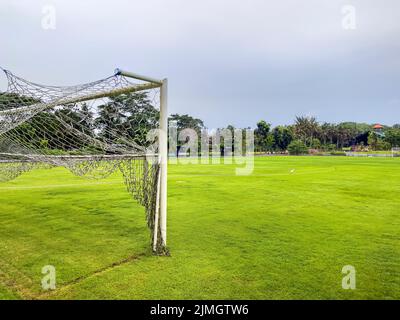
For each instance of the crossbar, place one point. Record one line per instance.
(137, 76)
(115, 92)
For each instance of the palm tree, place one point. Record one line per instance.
(306, 128)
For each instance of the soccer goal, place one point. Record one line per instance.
(396, 152)
(94, 129)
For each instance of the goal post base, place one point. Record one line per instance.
(162, 251)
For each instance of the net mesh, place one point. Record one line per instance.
(93, 130)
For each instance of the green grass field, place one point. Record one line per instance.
(277, 234)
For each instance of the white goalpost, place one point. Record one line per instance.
(163, 155)
(93, 130)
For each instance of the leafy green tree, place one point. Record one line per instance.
(86, 120)
(283, 135)
(297, 147)
(328, 134)
(315, 144)
(262, 137)
(392, 136)
(129, 116)
(269, 143)
(377, 143)
(186, 121)
(373, 140)
(347, 133)
(231, 129)
(10, 100)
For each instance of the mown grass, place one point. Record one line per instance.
(284, 232)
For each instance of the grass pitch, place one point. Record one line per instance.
(285, 232)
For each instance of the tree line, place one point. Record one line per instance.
(131, 116)
(307, 133)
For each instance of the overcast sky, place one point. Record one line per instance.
(228, 61)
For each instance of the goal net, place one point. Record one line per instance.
(93, 130)
(396, 152)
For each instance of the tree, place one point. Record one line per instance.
(377, 143)
(86, 121)
(315, 143)
(347, 133)
(9, 100)
(297, 147)
(186, 121)
(283, 135)
(269, 143)
(373, 140)
(129, 116)
(392, 136)
(230, 129)
(262, 139)
(328, 133)
(306, 128)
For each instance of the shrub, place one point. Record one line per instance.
(329, 147)
(315, 143)
(297, 147)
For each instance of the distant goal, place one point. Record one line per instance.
(396, 152)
